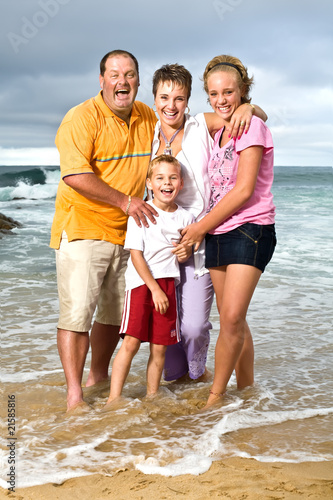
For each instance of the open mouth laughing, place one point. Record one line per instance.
(122, 92)
(167, 191)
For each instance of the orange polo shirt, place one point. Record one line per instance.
(92, 139)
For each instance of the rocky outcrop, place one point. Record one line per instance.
(7, 224)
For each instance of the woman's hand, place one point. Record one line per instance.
(240, 121)
(193, 234)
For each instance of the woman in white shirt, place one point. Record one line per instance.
(190, 140)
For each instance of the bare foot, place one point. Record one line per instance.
(151, 396)
(213, 399)
(182, 380)
(114, 403)
(94, 380)
(98, 387)
(74, 398)
(79, 407)
(205, 377)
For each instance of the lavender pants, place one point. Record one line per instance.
(194, 300)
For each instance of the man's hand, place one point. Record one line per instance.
(140, 211)
(93, 188)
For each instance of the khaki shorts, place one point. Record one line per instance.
(90, 274)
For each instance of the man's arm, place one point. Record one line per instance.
(160, 300)
(93, 188)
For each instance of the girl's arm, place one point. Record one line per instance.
(160, 300)
(248, 167)
(243, 113)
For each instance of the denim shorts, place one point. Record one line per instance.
(249, 244)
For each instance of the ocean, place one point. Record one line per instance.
(286, 416)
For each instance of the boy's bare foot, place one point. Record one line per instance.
(150, 396)
(114, 403)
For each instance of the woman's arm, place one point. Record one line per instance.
(248, 167)
(160, 300)
(243, 114)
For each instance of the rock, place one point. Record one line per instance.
(7, 224)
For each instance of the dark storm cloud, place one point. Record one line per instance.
(50, 53)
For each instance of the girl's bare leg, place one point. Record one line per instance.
(234, 286)
(245, 365)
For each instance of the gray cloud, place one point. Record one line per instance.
(50, 53)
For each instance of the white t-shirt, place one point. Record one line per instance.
(194, 197)
(155, 242)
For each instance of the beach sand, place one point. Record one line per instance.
(233, 478)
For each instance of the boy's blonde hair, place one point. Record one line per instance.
(163, 159)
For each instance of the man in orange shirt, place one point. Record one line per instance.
(104, 145)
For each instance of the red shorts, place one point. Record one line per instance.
(142, 321)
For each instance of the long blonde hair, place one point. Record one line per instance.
(234, 65)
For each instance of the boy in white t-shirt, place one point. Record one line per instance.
(150, 312)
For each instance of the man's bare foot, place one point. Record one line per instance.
(77, 407)
(99, 385)
(96, 379)
(74, 398)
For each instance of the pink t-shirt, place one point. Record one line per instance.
(222, 170)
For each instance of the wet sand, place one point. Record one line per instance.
(233, 478)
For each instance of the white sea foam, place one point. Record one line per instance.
(35, 192)
(22, 376)
(248, 418)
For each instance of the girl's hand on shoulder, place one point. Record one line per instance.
(240, 121)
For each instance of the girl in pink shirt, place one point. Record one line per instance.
(239, 225)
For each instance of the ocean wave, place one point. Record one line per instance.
(246, 419)
(34, 184)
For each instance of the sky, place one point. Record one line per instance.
(51, 49)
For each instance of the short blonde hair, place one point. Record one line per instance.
(234, 65)
(163, 159)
